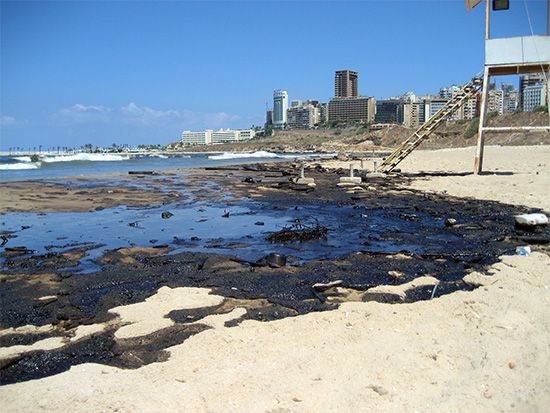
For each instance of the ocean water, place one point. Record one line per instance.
(22, 167)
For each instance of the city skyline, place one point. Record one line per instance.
(142, 72)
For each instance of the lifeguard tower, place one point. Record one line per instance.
(503, 56)
(509, 56)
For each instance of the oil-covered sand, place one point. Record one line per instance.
(127, 295)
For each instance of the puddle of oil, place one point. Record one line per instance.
(231, 229)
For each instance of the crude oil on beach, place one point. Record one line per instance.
(124, 276)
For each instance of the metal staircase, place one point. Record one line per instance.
(468, 91)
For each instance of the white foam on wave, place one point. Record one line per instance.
(257, 154)
(23, 158)
(90, 157)
(17, 166)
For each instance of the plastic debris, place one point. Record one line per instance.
(531, 219)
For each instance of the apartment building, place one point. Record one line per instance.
(533, 97)
(305, 116)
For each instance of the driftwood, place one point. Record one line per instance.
(299, 232)
(326, 286)
(142, 173)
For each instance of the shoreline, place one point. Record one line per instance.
(456, 348)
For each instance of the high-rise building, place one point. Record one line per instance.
(432, 105)
(324, 112)
(347, 105)
(529, 80)
(413, 114)
(448, 92)
(469, 109)
(510, 101)
(359, 109)
(269, 117)
(303, 117)
(389, 111)
(533, 97)
(495, 101)
(280, 106)
(345, 84)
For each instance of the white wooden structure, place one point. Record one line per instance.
(509, 56)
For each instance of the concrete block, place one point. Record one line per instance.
(353, 180)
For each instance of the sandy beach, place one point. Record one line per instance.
(468, 351)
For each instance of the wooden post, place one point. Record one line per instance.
(478, 163)
(488, 19)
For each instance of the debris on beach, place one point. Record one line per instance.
(450, 222)
(19, 250)
(531, 220)
(142, 173)
(166, 215)
(523, 250)
(326, 286)
(299, 232)
(272, 260)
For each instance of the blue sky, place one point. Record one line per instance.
(141, 72)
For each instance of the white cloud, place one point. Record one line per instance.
(144, 115)
(83, 113)
(186, 118)
(7, 120)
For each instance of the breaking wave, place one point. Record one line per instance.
(22, 158)
(90, 157)
(17, 166)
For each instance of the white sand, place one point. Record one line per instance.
(149, 316)
(480, 351)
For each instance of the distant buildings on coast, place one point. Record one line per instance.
(408, 109)
(349, 106)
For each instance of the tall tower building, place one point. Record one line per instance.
(280, 106)
(345, 84)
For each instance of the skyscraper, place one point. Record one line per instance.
(345, 84)
(280, 106)
(347, 105)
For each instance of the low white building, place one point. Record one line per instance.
(211, 137)
(196, 138)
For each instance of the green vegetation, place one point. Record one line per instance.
(472, 129)
(541, 109)
(376, 140)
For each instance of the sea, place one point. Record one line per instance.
(17, 167)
